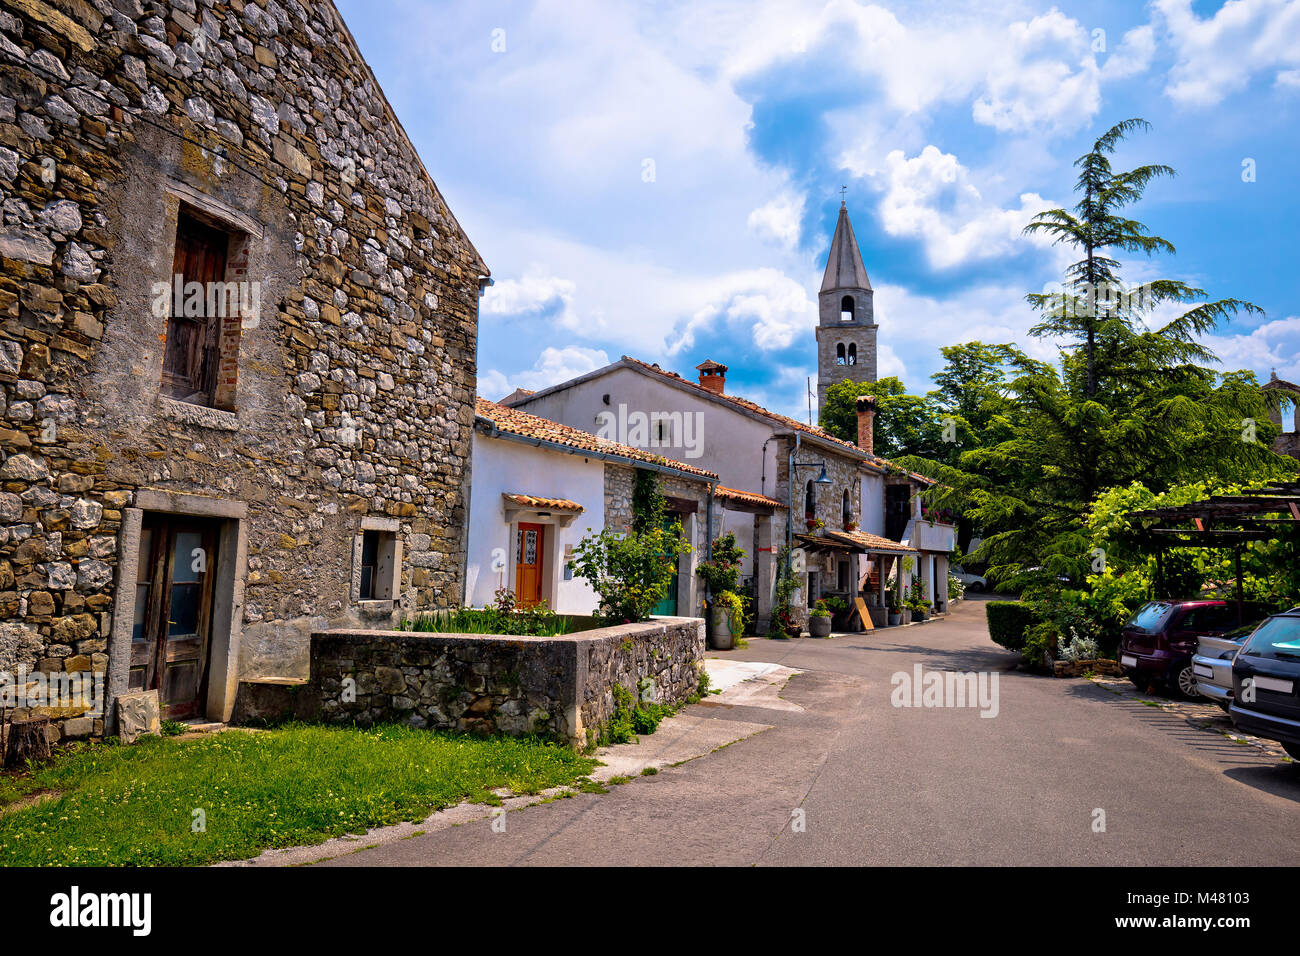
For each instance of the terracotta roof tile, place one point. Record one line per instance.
(550, 504)
(858, 540)
(531, 426)
(748, 497)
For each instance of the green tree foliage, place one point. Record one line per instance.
(1039, 445)
(904, 425)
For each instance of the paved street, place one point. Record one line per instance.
(880, 784)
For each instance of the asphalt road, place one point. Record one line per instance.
(880, 784)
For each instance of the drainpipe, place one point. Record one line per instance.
(789, 493)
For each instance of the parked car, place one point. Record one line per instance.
(973, 582)
(1212, 663)
(1268, 705)
(1158, 642)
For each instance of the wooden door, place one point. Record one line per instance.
(190, 359)
(529, 542)
(173, 612)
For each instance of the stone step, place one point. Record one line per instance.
(269, 699)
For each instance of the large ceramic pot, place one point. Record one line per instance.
(819, 626)
(720, 636)
(895, 619)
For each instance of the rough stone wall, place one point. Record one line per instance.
(830, 335)
(350, 393)
(560, 687)
(620, 482)
(656, 663)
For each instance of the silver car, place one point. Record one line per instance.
(1212, 663)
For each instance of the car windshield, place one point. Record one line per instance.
(1278, 638)
(1150, 616)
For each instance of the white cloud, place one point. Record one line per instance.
(767, 301)
(1219, 55)
(779, 219)
(553, 366)
(931, 197)
(1044, 78)
(1272, 345)
(536, 292)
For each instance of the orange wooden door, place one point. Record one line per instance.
(528, 563)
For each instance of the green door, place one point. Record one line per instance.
(668, 605)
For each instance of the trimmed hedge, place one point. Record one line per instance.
(1008, 622)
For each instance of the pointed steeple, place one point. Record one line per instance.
(844, 268)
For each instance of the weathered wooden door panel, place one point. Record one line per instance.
(169, 647)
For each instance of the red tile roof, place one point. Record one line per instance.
(746, 497)
(531, 426)
(856, 541)
(550, 504)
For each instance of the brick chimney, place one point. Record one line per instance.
(713, 376)
(866, 423)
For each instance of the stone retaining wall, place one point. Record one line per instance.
(560, 687)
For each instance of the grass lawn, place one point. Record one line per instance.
(295, 785)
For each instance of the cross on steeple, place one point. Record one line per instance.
(843, 190)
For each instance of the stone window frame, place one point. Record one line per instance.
(243, 231)
(231, 572)
(390, 544)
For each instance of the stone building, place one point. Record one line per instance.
(540, 487)
(237, 348)
(846, 321)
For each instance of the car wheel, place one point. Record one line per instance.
(975, 586)
(1292, 751)
(1184, 683)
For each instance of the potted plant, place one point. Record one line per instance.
(819, 620)
(894, 603)
(850, 525)
(919, 605)
(839, 608)
(815, 524)
(726, 610)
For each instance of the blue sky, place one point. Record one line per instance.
(662, 180)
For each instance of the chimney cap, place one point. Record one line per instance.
(866, 403)
(708, 365)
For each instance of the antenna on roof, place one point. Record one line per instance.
(809, 380)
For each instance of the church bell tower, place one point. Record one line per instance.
(846, 330)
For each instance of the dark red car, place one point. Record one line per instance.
(1160, 639)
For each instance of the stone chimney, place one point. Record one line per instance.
(713, 376)
(866, 423)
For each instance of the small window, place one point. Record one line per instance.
(847, 509)
(839, 354)
(809, 501)
(847, 311)
(853, 354)
(378, 566)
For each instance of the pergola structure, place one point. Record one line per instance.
(1268, 513)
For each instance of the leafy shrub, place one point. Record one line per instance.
(630, 572)
(1009, 621)
(722, 571)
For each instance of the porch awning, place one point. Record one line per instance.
(535, 503)
(733, 499)
(853, 541)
